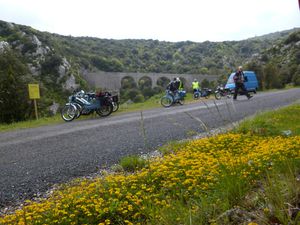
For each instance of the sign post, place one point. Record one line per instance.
(34, 93)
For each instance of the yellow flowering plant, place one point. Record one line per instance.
(191, 173)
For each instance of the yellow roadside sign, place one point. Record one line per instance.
(34, 91)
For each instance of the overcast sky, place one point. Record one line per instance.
(164, 20)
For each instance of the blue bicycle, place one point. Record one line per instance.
(205, 92)
(170, 98)
(85, 104)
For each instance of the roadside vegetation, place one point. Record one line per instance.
(153, 102)
(248, 176)
(31, 123)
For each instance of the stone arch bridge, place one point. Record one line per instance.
(113, 80)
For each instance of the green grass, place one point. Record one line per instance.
(278, 122)
(172, 147)
(31, 123)
(151, 103)
(132, 163)
(276, 199)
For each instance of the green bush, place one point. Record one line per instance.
(14, 104)
(139, 98)
(132, 163)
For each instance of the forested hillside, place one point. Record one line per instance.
(280, 64)
(56, 62)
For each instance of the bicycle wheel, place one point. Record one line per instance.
(166, 101)
(105, 110)
(69, 112)
(218, 95)
(79, 109)
(196, 95)
(115, 106)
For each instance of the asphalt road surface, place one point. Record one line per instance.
(32, 160)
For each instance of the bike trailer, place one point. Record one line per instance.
(115, 98)
(182, 93)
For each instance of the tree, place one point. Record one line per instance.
(163, 82)
(292, 38)
(296, 77)
(204, 70)
(272, 77)
(222, 79)
(204, 83)
(13, 89)
(257, 68)
(51, 65)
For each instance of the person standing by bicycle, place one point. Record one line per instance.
(239, 79)
(195, 85)
(173, 86)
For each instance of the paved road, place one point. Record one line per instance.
(32, 160)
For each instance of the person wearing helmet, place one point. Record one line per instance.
(174, 86)
(238, 79)
(195, 85)
(179, 84)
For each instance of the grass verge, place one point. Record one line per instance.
(31, 123)
(151, 103)
(284, 121)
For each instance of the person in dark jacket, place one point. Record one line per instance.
(239, 79)
(174, 86)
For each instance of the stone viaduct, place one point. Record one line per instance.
(113, 80)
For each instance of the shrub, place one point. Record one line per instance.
(139, 98)
(14, 103)
(132, 163)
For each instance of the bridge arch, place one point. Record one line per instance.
(163, 81)
(145, 82)
(128, 82)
